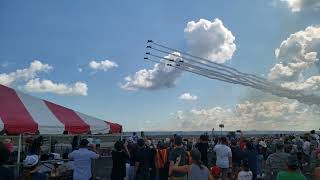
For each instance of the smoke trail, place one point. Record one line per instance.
(206, 68)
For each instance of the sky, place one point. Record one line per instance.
(88, 56)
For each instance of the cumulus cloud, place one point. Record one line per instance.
(102, 65)
(188, 97)
(26, 74)
(298, 58)
(160, 76)
(280, 114)
(47, 86)
(299, 5)
(211, 40)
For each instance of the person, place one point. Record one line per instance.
(162, 161)
(196, 170)
(30, 171)
(245, 173)
(120, 155)
(236, 156)
(9, 144)
(293, 171)
(177, 151)
(5, 173)
(251, 155)
(82, 161)
(203, 147)
(277, 161)
(152, 157)
(142, 162)
(224, 156)
(135, 137)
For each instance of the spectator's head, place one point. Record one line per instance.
(118, 145)
(178, 141)
(224, 140)
(279, 145)
(245, 165)
(4, 154)
(249, 145)
(215, 172)
(312, 131)
(293, 162)
(196, 155)
(141, 142)
(134, 133)
(84, 143)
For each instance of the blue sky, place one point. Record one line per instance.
(68, 35)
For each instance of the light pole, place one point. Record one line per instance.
(221, 126)
(212, 133)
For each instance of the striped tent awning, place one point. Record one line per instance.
(22, 113)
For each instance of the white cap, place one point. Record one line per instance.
(263, 144)
(31, 160)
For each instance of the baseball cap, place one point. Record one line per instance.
(31, 160)
(215, 170)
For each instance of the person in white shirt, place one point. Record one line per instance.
(224, 156)
(82, 161)
(245, 173)
(306, 146)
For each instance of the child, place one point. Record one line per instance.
(245, 173)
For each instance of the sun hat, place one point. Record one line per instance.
(31, 160)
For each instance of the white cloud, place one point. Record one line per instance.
(102, 65)
(80, 69)
(26, 74)
(299, 5)
(298, 58)
(188, 97)
(47, 86)
(211, 40)
(161, 76)
(280, 114)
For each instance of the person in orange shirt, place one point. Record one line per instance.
(162, 161)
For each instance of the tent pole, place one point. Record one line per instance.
(19, 153)
(50, 141)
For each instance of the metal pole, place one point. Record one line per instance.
(19, 154)
(50, 144)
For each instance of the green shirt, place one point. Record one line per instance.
(285, 175)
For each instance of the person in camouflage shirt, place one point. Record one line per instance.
(277, 161)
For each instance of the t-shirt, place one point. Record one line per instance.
(82, 163)
(245, 175)
(223, 153)
(285, 175)
(119, 159)
(174, 153)
(6, 174)
(203, 148)
(142, 157)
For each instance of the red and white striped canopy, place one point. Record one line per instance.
(22, 113)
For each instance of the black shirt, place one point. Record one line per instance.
(142, 157)
(203, 148)
(119, 159)
(6, 174)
